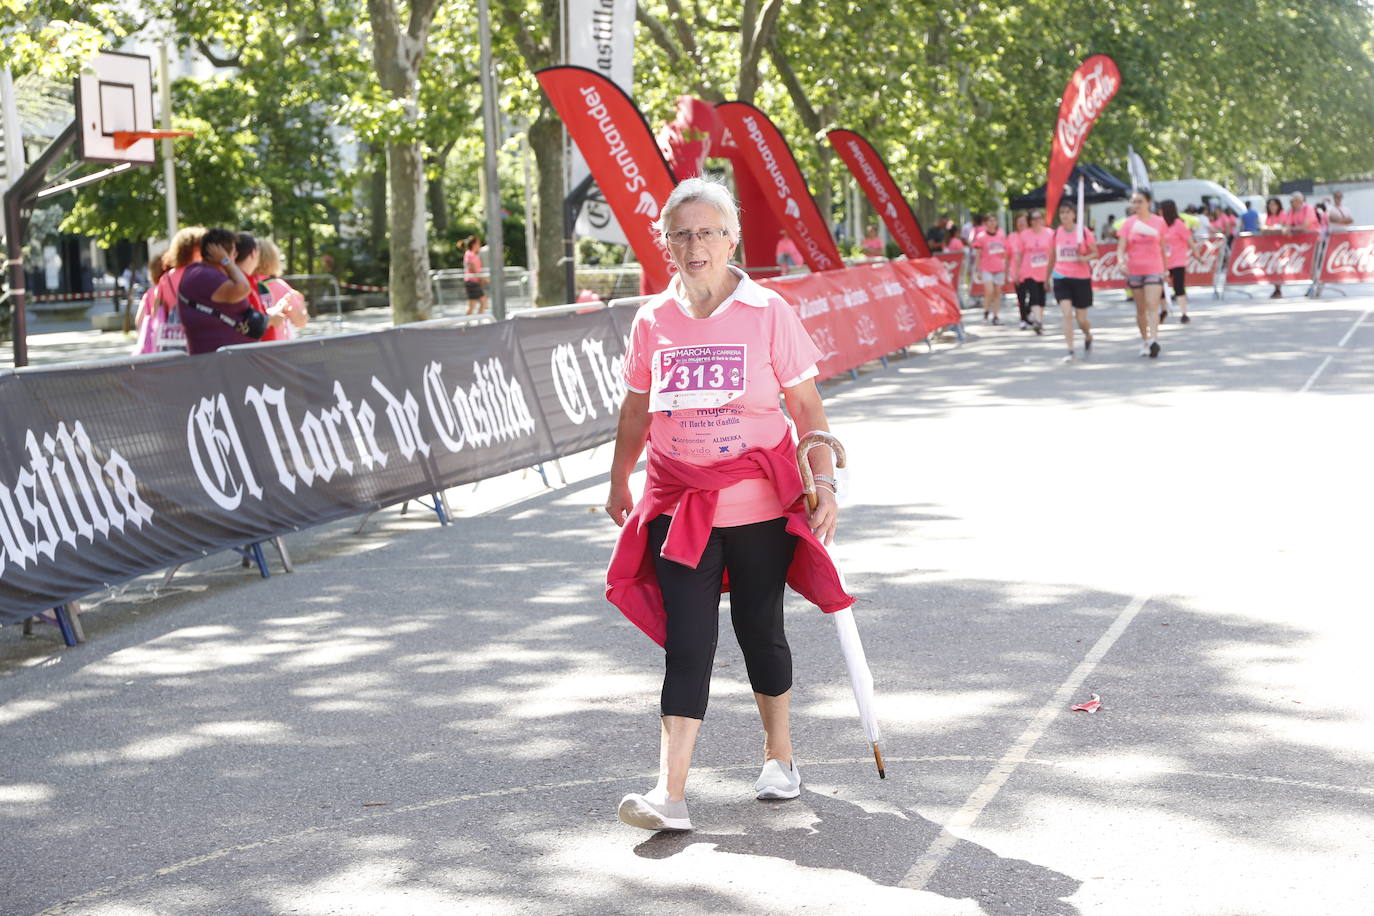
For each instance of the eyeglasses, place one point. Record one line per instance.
(684, 236)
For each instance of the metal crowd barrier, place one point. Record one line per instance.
(313, 287)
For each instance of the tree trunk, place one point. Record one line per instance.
(546, 142)
(412, 298)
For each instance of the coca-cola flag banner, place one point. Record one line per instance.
(1089, 90)
(686, 141)
(114, 470)
(770, 161)
(1349, 257)
(1273, 259)
(869, 169)
(623, 157)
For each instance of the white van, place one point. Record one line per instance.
(1185, 193)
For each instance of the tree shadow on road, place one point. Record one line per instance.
(881, 846)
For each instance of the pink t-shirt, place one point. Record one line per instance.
(1143, 256)
(1276, 219)
(1013, 248)
(713, 383)
(954, 244)
(993, 246)
(873, 246)
(1069, 260)
(1035, 253)
(472, 265)
(1303, 219)
(1179, 238)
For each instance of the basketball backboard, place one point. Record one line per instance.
(115, 93)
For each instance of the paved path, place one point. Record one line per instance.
(427, 720)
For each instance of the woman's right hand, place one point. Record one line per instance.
(216, 254)
(619, 503)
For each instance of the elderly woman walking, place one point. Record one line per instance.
(708, 360)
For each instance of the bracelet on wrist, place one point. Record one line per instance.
(822, 483)
(827, 479)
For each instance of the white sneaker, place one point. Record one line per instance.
(1144, 348)
(653, 811)
(778, 781)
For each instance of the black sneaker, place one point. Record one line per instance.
(1154, 349)
(996, 320)
(985, 314)
(1163, 313)
(1184, 319)
(1087, 342)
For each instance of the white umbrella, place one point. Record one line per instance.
(851, 647)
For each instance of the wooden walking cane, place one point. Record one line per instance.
(844, 620)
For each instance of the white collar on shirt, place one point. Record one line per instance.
(747, 292)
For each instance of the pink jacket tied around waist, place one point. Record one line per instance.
(689, 492)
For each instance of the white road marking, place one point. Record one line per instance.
(1326, 362)
(920, 873)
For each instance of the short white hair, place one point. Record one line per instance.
(701, 190)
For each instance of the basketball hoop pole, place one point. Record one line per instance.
(20, 196)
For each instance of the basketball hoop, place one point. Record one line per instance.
(123, 139)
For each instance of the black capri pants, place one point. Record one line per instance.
(757, 557)
(1178, 275)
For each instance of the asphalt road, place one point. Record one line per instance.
(427, 720)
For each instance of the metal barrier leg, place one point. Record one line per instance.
(539, 469)
(883, 360)
(59, 617)
(285, 557)
(362, 524)
(73, 611)
(854, 374)
(558, 466)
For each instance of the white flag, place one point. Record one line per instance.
(1140, 178)
(601, 37)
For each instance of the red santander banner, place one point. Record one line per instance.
(770, 162)
(1349, 257)
(868, 168)
(860, 313)
(622, 155)
(1273, 259)
(1089, 90)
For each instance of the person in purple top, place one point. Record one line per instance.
(213, 297)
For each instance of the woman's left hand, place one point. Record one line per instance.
(827, 513)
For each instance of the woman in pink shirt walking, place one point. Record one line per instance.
(1141, 248)
(990, 266)
(708, 361)
(1070, 268)
(1030, 266)
(1179, 240)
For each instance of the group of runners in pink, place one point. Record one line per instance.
(1154, 247)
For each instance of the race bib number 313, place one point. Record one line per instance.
(690, 378)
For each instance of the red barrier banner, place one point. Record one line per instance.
(1349, 257)
(861, 313)
(1108, 272)
(770, 161)
(952, 262)
(869, 169)
(1203, 261)
(623, 157)
(1089, 90)
(1272, 259)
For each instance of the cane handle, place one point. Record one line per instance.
(808, 442)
